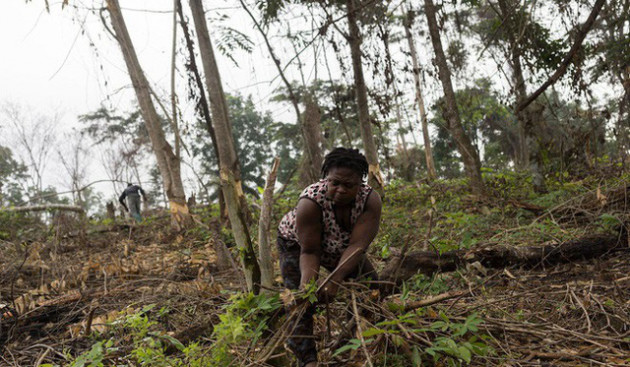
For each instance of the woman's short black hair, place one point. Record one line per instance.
(345, 157)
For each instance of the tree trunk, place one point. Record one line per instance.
(354, 39)
(228, 160)
(401, 148)
(428, 263)
(203, 108)
(470, 156)
(528, 151)
(264, 249)
(168, 162)
(428, 153)
(111, 210)
(312, 161)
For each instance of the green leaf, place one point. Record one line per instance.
(173, 341)
(415, 357)
(464, 353)
(373, 331)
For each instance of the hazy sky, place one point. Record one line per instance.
(48, 61)
(64, 62)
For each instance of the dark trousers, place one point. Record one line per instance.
(302, 341)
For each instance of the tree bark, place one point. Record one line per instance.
(469, 154)
(428, 263)
(229, 166)
(203, 108)
(111, 210)
(264, 249)
(168, 162)
(428, 153)
(312, 161)
(375, 178)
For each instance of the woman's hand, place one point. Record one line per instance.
(328, 291)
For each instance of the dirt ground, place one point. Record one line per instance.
(70, 285)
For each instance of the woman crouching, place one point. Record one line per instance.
(332, 226)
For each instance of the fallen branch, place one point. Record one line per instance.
(428, 263)
(39, 208)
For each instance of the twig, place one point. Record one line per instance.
(437, 299)
(588, 319)
(357, 317)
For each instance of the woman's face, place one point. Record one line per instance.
(343, 185)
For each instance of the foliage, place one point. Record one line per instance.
(483, 116)
(148, 344)
(245, 319)
(460, 346)
(230, 40)
(107, 126)
(252, 139)
(12, 173)
(455, 343)
(19, 226)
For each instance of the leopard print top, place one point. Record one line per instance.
(335, 239)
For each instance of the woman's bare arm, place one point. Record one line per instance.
(362, 236)
(309, 232)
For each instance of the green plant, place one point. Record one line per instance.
(609, 222)
(149, 344)
(457, 346)
(245, 318)
(94, 357)
(453, 344)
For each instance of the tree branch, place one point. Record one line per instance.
(568, 58)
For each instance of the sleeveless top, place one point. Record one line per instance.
(335, 239)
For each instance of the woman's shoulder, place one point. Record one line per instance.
(316, 190)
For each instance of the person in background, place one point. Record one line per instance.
(132, 194)
(332, 226)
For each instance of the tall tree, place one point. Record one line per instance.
(308, 122)
(428, 153)
(201, 102)
(528, 42)
(469, 154)
(613, 58)
(168, 161)
(34, 136)
(354, 38)
(229, 170)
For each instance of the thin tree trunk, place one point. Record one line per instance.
(312, 162)
(470, 157)
(229, 166)
(527, 153)
(428, 152)
(520, 89)
(375, 178)
(168, 162)
(264, 249)
(173, 94)
(407, 171)
(203, 101)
